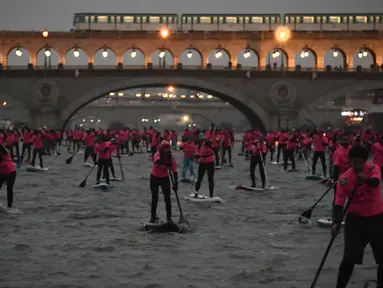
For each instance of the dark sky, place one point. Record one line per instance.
(58, 14)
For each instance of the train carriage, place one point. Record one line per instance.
(225, 22)
(334, 22)
(125, 22)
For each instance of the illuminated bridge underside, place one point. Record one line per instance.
(266, 99)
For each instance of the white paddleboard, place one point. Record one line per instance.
(80, 152)
(218, 167)
(10, 210)
(203, 199)
(249, 188)
(87, 164)
(112, 179)
(122, 155)
(36, 169)
(326, 222)
(101, 185)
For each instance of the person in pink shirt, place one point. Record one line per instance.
(291, 146)
(320, 142)
(26, 137)
(206, 165)
(257, 150)
(377, 153)
(7, 173)
(156, 140)
(113, 150)
(9, 142)
(37, 141)
(163, 161)
(226, 146)
(364, 220)
(89, 138)
(102, 150)
(189, 150)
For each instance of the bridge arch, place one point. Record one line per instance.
(309, 110)
(255, 114)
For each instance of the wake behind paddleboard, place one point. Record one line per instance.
(101, 185)
(203, 199)
(326, 222)
(36, 169)
(163, 227)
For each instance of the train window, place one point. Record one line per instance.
(184, 19)
(81, 19)
(345, 19)
(257, 20)
(93, 19)
(361, 19)
(214, 20)
(205, 20)
(102, 19)
(275, 20)
(379, 19)
(231, 20)
(292, 19)
(298, 20)
(287, 20)
(128, 19)
(334, 19)
(308, 19)
(154, 19)
(372, 19)
(195, 20)
(243, 20)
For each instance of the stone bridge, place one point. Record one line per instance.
(267, 99)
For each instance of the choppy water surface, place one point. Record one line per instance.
(82, 237)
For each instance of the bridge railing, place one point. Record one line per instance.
(150, 66)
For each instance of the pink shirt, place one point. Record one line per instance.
(206, 154)
(37, 141)
(319, 142)
(161, 171)
(89, 139)
(101, 151)
(27, 136)
(366, 201)
(7, 166)
(189, 150)
(377, 153)
(341, 158)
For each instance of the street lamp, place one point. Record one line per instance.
(48, 53)
(47, 58)
(161, 54)
(189, 54)
(105, 53)
(335, 53)
(45, 33)
(133, 54)
(170, 88)
(185, 118)
(76, 53)
(218, 54)
(18, 52)
(164, 33)
(282, 34)
(247, 54)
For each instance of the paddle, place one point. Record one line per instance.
(182, 218)
(70, 159)
(119, 162)
(83, 183)
(307, 214)
(333, 239)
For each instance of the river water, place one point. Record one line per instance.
(82, 237)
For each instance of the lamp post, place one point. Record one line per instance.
(164, 33)
(47, 58)
(282, 35)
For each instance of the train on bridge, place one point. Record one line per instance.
(226, 22)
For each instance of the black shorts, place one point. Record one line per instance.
(360, 231)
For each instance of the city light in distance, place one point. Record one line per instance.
(147, 95)
(138, 95)
(164, 33)
(111, 94)
(170, 88)
(45, 33)
(4, 103)
(185, 118)
(120, 94)
(18, 52)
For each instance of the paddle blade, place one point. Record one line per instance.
(82, 184)
(305, 216)
(183, 221)
(69, 160)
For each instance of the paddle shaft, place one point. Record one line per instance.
(122, 172)
(176, 192)
(324, 194)
(324, 258)
(263, 165)
(90, 172)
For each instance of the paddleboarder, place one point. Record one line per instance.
(364, 220)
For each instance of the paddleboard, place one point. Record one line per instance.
(80, 152)
(314, 177)
(249, 188)
(185, 180)
(121, 155)
(101, 185)
(280, 163)
(163, 227)
(203, 199)
(36, 169)
(87, 164)
(218, 167)
(10, 210)
(326, 222)
(112, 179)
